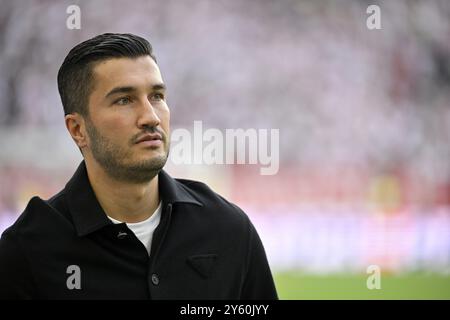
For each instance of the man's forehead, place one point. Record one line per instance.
(122, 71)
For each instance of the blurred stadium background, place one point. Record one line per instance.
(364, 119)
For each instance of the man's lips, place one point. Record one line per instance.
(149, 137)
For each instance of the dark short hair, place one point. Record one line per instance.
(75, 74)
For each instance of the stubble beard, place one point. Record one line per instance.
(113, 158)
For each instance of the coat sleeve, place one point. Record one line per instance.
(15, 276)
(258, 282)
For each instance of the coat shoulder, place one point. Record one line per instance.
(215, 204)
(38, 212)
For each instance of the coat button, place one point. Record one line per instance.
(121, 235)
(155, 279)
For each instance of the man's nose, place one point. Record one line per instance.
(147, 115)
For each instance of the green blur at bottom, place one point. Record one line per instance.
(297, 285)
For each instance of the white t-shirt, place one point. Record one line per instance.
(144, 229)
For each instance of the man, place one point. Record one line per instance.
(122, 228)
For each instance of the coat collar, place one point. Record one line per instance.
(88, 215)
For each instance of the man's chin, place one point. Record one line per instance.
(155, 163)
(138, 171)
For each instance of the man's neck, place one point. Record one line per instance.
(126, 202)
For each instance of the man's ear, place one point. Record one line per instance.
(75, 124)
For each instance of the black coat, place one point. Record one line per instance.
(66, 248)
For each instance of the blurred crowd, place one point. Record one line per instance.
(364, 115)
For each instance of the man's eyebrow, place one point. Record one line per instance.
(120, 90)
(158, 86)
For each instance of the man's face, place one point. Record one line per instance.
(128, 122)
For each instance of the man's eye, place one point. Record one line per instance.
(158, 96)
(123, 101)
